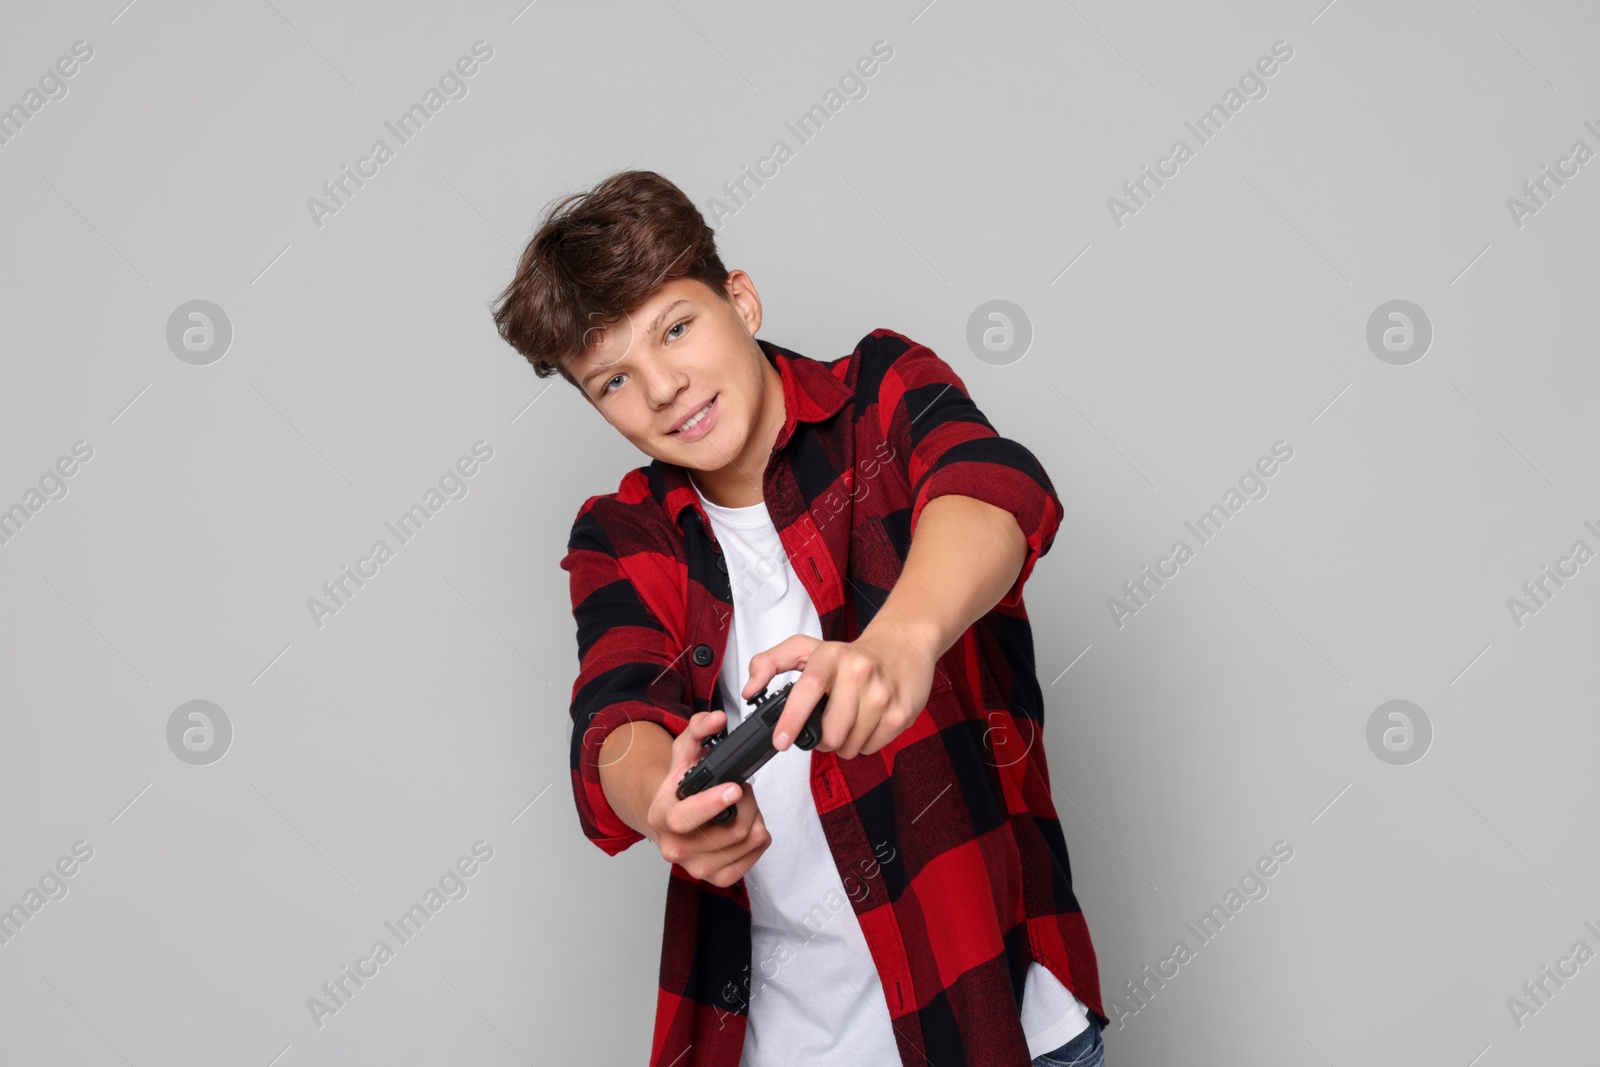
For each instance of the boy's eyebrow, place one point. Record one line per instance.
(651, 329)
(648, 330)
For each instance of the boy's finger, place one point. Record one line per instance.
(699, 809)
(688, 747)
(860, 731)
(808, 689)
(735, 838)
(763, 668)
(789, 654)
(702, 724)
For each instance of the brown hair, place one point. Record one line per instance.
(598, 256)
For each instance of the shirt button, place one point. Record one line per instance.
(703, 655)
(722, 564)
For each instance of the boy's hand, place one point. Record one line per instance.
(683, 829)
(876, 687)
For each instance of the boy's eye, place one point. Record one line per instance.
(671, 335)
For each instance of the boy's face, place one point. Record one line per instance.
(651, 372)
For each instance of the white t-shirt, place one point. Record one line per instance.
(815, 995)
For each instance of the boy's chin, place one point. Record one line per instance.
(696, 456)
(697, 464)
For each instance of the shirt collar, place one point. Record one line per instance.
(812, 391)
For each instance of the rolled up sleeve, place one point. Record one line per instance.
(927, 415)
(626, 673)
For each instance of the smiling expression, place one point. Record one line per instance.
(685, 356)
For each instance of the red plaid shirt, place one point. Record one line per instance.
(977, 883)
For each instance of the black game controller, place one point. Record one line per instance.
(737, 756)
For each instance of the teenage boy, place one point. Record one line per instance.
(901, 893)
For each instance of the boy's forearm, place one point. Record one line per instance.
(964, 556)
(633, 760)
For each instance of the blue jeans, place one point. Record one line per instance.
(1084, 1050)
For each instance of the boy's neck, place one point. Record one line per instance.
(738, 484)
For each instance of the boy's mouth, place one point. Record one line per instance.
(698, 423)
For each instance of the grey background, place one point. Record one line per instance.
(431, 712)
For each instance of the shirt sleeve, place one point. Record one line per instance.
(948, 446)
(627, 672)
